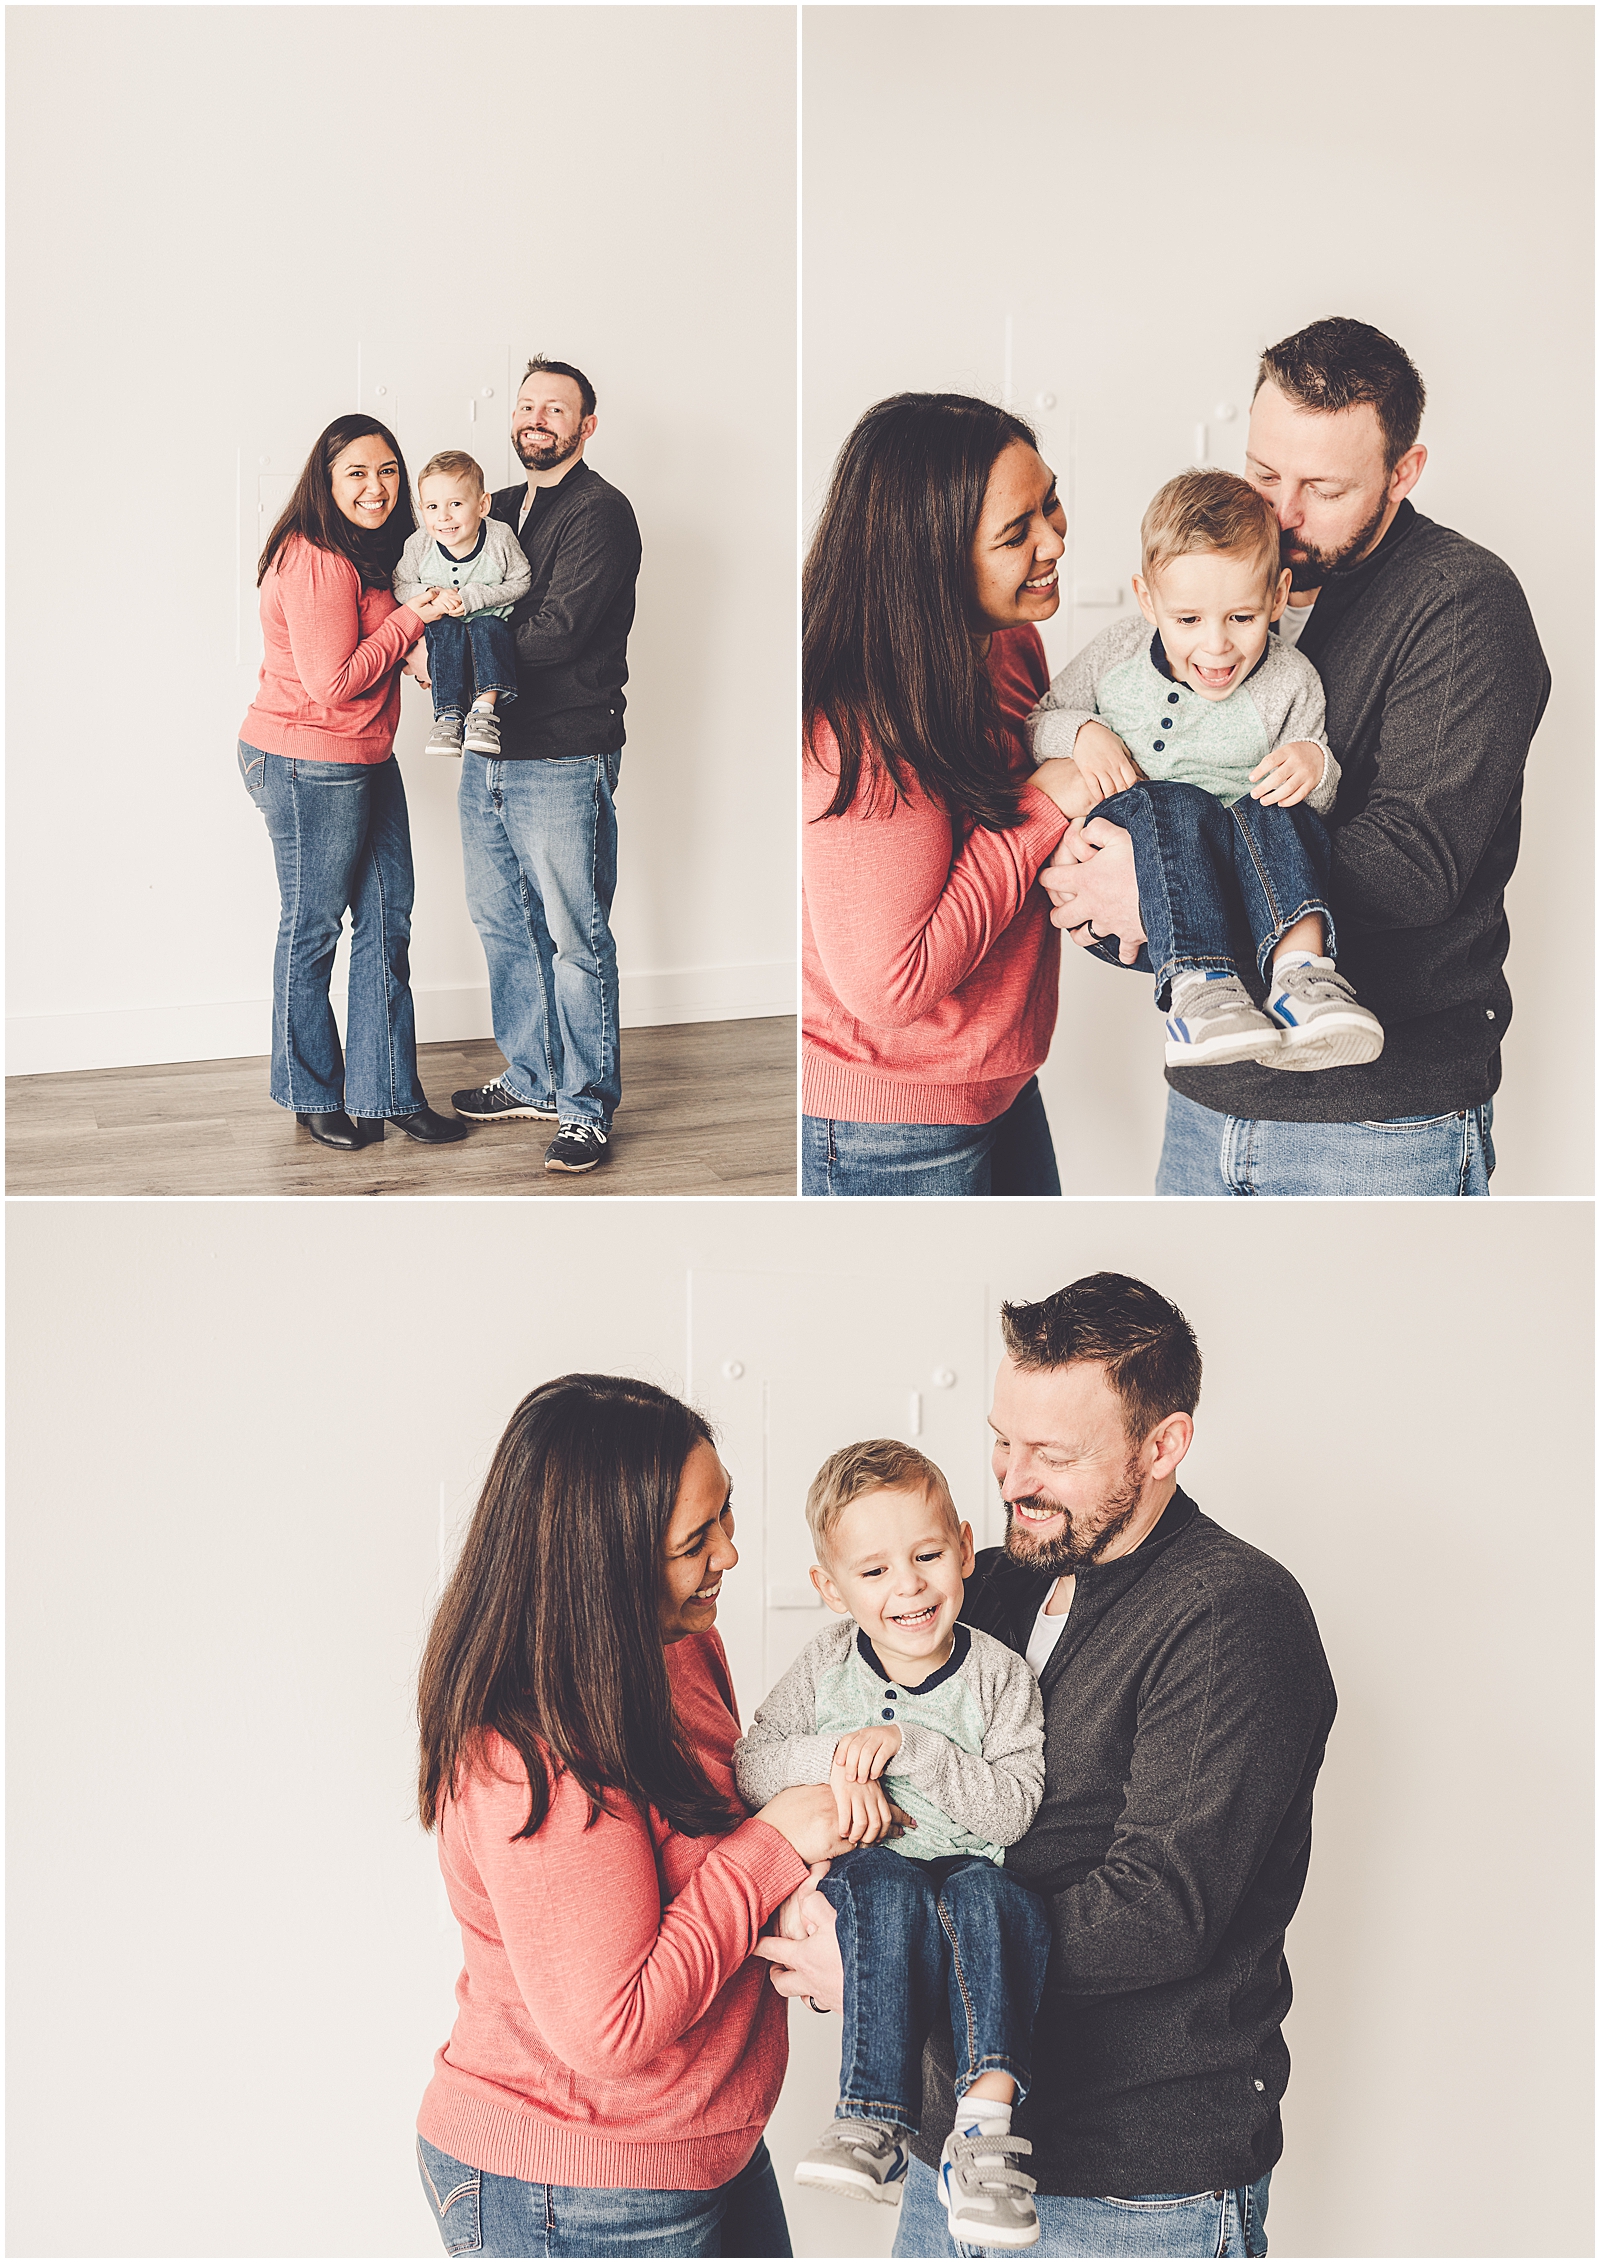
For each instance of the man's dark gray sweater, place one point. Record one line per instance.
(1187, 1704)
(581, 541)
(1435, 684)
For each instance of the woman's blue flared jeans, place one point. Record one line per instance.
(481, 2214)
(342, 843)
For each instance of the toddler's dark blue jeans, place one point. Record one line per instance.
(914, 1938)
(468, 655)
(1217, 887)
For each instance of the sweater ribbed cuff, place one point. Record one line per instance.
(767, 1859)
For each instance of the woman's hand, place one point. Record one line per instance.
(416, 664)
(807, 1815)
(1288, 774)
(428, 604)
(1065, 784)
(1095, 888)
(804, 1956)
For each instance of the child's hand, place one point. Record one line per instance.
(865, 1753)
(452, 601)
(1288, 774)
(427, 604)
(1105, 762)
(865, 1815)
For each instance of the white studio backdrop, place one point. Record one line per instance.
(227, 1522)
(1147, 196)
(272, 213)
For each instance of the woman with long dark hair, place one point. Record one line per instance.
(930, 961)
(616, 2051)
(316, 752)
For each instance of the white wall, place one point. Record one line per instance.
(237, 1434)
(1121, 206)
(253, 195)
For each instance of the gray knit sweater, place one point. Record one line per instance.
(970, 1768)
(1435, 684)
(1121, 679)
(490, 580)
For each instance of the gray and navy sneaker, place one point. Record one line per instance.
(988, 2202)
(868, 2159)
(492, 1104)
(445, 737)
(1324, 1024)
(1212, 1020)
(483, 732)
(578, 1147)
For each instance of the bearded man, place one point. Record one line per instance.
(1435, 684)
(538, 817)
(1187, 1703)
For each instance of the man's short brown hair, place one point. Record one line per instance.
(454, 463)
(542, 364)
(875, 1465)
(1138, 1336)
(1208, 511)
(1339, 364)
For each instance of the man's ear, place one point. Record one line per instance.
(1141, 590)
(1168, 1443)
(1407, 472)
(829, 1593)
(586, 428)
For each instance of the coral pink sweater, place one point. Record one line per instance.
(930, 965)
(612, 2029)
(331, 651)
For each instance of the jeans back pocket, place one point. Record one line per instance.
(253, 771)
(453, 2191)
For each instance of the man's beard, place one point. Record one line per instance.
(1080, 1545)
(541, 452)
(1311, 571)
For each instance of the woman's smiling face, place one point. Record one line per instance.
(697, 1547)
(366, 480)
(1021, 537)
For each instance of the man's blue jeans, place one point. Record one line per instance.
(467, 655)
(539, 844)
(916, 1938)
(1013, 1155)
(1207, 1153)
(481, 2214)
(1220, 2222)
(1217, 887)
(341, 841)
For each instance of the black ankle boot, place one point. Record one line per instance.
(432, 1130)
(335, 1129)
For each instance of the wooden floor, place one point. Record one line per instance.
(708, 1109)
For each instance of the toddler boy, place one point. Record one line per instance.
(1206, 742)
(899, 1702)
(478, 566)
